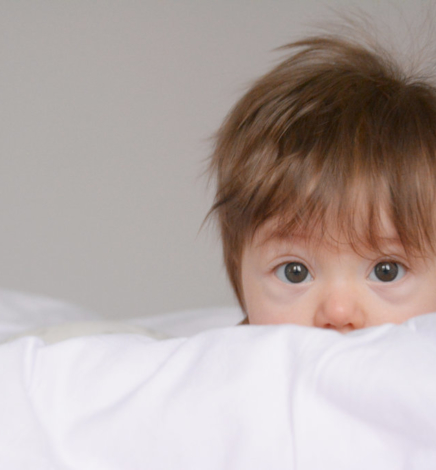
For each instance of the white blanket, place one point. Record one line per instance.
(273, 397)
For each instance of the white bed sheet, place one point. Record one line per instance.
(54, 320)
(21, 312)
(273, 397)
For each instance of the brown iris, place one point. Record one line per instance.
(386, 271)
(296, 272)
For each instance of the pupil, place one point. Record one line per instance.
(296, 272)
(386, 271)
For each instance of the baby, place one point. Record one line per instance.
(326, 178)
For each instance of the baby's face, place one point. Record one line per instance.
(331, 286)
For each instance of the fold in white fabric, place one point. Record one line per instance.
(270, 397)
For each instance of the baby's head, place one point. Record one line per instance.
(326, 178)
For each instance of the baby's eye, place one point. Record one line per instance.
(293, 272)
(387, 271)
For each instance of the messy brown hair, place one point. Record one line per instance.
(334, 127)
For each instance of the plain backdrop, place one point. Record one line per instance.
(106, 112)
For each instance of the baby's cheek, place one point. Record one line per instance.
(396, 304)
(423, 302)
(393, 296)
(401, 295)
(259, 310)
(275, 306)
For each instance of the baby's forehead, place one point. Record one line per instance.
(273, 236)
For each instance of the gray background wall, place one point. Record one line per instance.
(106, 108)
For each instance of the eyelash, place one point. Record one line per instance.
(403, 270)
(282, 275)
